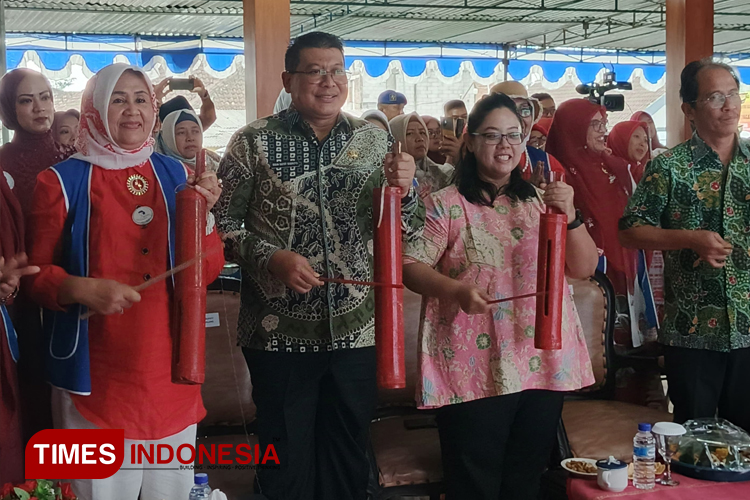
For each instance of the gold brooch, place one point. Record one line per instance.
(353, 154)
(137, 184)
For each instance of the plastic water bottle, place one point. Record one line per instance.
(201, 490)
(644, 452)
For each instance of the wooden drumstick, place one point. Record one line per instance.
(355, 282)
(508, 299)
(163, 276)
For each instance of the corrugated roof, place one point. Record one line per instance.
(633, 24)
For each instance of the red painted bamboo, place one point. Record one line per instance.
(189, 305)
(389, 301)
(553, 230)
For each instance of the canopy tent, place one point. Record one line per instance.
(179, 54)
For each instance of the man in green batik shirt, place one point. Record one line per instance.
(297, 206)
(694, 203)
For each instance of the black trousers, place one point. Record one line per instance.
(497, 448)
(702, 382)
(315, 408)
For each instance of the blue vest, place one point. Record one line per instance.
(10, 333)
(66, 335)
(537, 155)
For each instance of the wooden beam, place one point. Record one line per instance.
(266, 34)
(690, 37)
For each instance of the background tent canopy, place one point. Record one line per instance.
(179, 53)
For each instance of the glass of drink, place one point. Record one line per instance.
(668, 442)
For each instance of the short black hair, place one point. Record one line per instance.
(314, 40)
(689, 78)
(540, 96)
(455, 103)
(466, 177)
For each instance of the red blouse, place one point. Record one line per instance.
(130, 354)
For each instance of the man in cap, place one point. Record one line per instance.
(535, 164)
(391, 103)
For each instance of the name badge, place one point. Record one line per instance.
(143, 215)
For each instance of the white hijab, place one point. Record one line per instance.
(166, 142)
(95, 143)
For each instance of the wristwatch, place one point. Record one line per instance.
(577, 221)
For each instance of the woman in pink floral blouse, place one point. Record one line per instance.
(500, 399)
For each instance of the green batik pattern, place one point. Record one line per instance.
(705, 308)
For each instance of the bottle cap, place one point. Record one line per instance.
(201, 478)
(641, 428)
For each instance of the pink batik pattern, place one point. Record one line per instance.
(465, 357)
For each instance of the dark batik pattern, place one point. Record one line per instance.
(283, 189)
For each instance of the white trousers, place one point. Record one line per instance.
(132, 480)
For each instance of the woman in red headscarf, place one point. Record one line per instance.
(27, 108)
(539, 133)
(600, 181)
(629, 140)
(12, 267)
(642, 116)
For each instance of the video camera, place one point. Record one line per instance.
(613, 102)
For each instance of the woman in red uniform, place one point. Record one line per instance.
(102, 223)
(12, 268)
(27, 108)
(629, 140)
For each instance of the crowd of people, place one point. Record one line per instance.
(87, 208)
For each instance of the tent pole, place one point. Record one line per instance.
(506, 61)
(3, 62)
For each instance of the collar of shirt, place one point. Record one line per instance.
(700, 149)
(293, 118)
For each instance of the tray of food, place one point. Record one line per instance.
(713, 450)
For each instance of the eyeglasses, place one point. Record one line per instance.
(717, 99)
(548, 112)
(599, 125)
(319, 75)
(524, 111)
(435, 133)
(491, 139)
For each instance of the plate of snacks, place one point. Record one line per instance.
(580, 467)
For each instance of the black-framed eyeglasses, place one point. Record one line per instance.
(717, 99)
(318, 75)
(599, 125)
(493, 139)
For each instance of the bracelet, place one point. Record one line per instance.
(10, 296)
(578, 221)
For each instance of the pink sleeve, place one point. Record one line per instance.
(429, 247)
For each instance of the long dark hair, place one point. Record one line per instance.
(466, 178)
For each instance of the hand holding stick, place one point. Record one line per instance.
(363, 283)
(163, 276)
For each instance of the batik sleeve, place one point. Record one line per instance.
(237, 170)
(650, 198)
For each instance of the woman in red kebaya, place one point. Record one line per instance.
(601, 181)
(102, 223)
(12, 267)
(629, 140)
